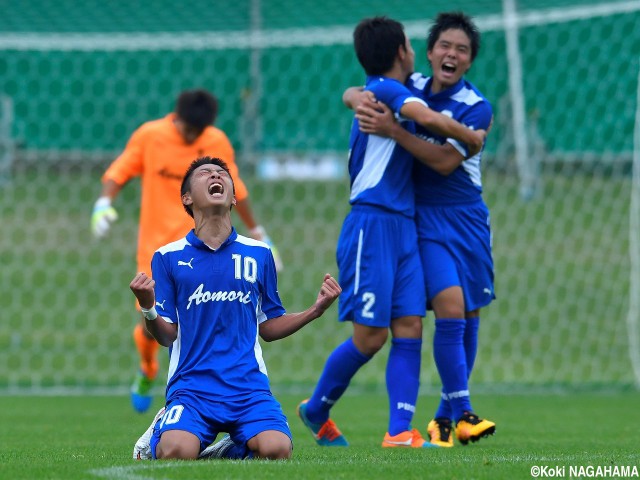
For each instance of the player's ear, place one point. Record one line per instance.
(186, 199)
(234, 202)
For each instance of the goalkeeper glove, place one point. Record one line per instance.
(258, 233)
(102, 217)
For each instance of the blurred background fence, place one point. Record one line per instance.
(76, 78)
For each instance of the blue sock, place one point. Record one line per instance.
(470, 341)
(403, 382)
(444, 407)
(450, 359)
(341, 366)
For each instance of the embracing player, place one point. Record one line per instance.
(452, 218)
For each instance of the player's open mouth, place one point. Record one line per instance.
(216, 189)
(448, 68)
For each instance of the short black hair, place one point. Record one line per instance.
(454, 20)
(376, 41)
(197, 108)
(186, 180)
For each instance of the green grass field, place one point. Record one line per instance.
(557, 328)
(92, 437)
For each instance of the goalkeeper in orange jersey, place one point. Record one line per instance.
(159, 152)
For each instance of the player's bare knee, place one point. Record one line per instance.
(449, 303)
(275, 451)
(369, 340)
(174, 445)
(374, 344)
(451, 311)
(448, 309)
(174, 452)
(272, 445)
(407, 327)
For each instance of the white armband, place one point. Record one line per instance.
(149, 313)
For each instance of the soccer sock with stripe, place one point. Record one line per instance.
(450, 359)
(341, 366)
(470, 341)
(403, 382)
(148, 350)
(444, 407)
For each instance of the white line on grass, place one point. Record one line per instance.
(129, 472)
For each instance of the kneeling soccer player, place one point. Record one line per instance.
(211, 294)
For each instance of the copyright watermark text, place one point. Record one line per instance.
(584, 471)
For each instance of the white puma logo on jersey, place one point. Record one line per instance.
(161, 305)
(186, 264)
(487, 291)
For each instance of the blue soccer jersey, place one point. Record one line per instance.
(379, 168)
(464, 103)
(218, 298)
(452, 219)
(377, 250)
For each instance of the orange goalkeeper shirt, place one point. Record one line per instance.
(158, 154)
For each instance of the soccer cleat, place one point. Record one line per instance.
(218, 449)
(326, 434)
(471, 427)
(142, 448)
(141, 392)
(411, 439)
(439, 430)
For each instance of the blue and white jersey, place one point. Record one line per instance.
(218, 298)
(464, 103)
(379, 168)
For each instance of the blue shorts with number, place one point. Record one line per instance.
(380, 271)
(242, 419)
(455, 247)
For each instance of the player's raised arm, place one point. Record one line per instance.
(355, 98)
(445, 126)
(142, 287)
(444, 159)
(281, 327)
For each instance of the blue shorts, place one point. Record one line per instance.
(380, 272)
(455, 247)
(242, 419)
